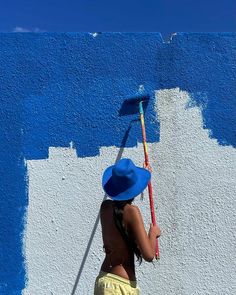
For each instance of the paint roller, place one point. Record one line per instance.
(130, 106)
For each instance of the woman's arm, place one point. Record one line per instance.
(146, 243)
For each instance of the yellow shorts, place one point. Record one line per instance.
(109, 284)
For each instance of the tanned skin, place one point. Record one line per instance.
(119, 259)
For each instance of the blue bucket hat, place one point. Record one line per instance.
(124, 181)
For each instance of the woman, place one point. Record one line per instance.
(123, 229)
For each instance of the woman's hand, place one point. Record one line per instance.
(154, 231)
(147, 167)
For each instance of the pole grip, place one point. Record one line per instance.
(153, 217)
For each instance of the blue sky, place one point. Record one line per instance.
(163, 16)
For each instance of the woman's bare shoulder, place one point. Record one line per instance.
(105, 204)
(132, 213)
(133, 209)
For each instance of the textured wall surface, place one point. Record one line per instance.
(61, 125)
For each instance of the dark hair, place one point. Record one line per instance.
(118, 218)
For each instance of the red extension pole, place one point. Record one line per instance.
(153, 217)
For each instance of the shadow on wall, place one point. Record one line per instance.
(123, 143)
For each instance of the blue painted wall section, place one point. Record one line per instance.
(205, 66)
(77, 84)
(13, 187)
(58, 88)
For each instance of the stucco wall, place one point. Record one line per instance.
(61, 96)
